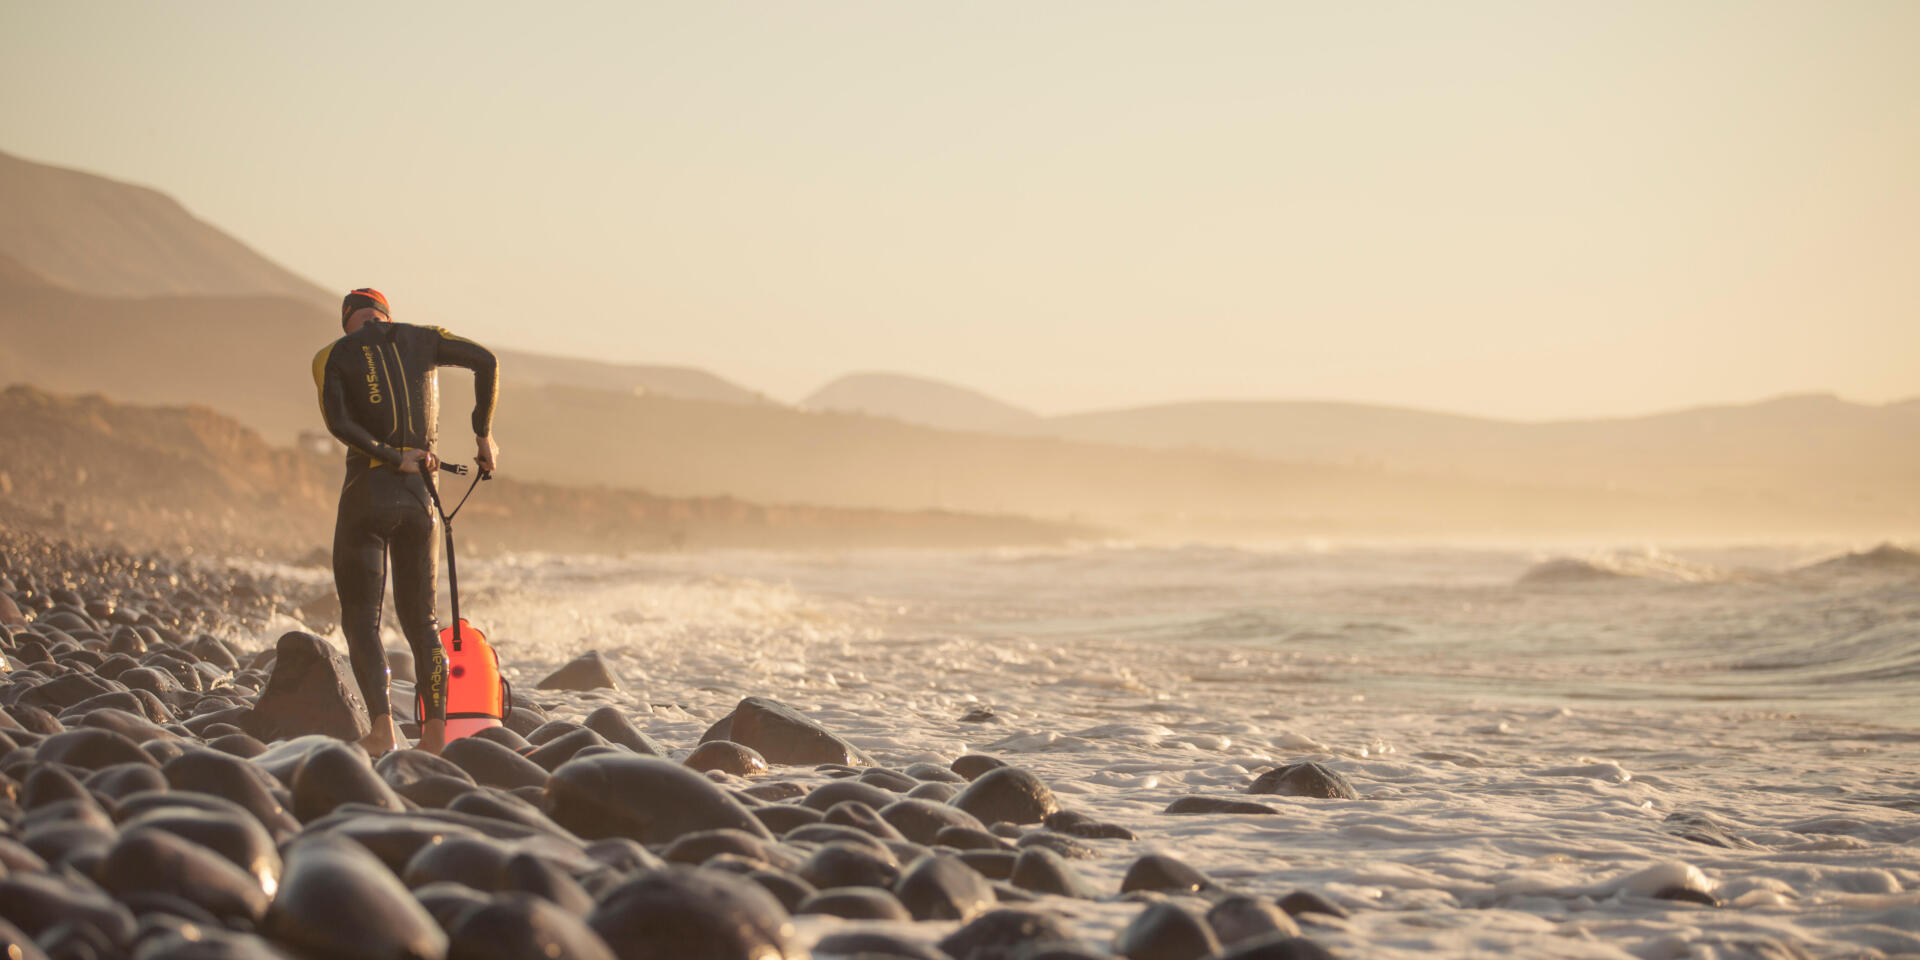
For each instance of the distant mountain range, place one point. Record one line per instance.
(920, 400)
(1815, 445)
(97, 256)
(127, 294)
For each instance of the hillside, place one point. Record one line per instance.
(247, 356)
(89, 233)
(190, 479)
(929, 403)
(112, 263)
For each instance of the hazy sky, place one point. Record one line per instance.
(1527, 209)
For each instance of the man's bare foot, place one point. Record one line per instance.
(433, 737)
(384, 737)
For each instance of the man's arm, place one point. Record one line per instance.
(454, 351)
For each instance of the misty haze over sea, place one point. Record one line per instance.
(1068, 481)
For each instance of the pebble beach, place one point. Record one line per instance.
(1089, 752)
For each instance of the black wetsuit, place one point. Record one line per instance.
(380, 397)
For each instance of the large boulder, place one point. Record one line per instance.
(679, 912)
(336, 900)
(311, 690)
(645, 799)
(151, 860)
(784, 735)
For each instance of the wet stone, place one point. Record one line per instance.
(1064, 846)
(936, 792)
(1278, 947)
(1305, 779)
(890, 780)
(50, 784)
(727, 757)
(518, 926)
(1166, 931)
(588, 671)
(701, 845)
(680, 913)
(220, 826)
(90, 749)
(614, 726)
(869, 945)
(1008, 935)
(850, 865)
(526, 873)
(933, 773)
(645, 799)
(1043, 871)
(207, 942)
(1159, 872)
(39, 903)
(827, 794)
(400, 768)
(790, 890)
(1306, 901)
(553, 730)
(490, 763)
(504, 737)
(968, 838)
(1217, 805)
(1238, 919)
(1007, 794)
(992, 864)
(853, 813)
(240, 745)
(338, 774)
(781, 818)
(783, 734)
(122, 779)
(973, 765)
(474, 861)
(921, 820)
(855, 903)
(623, 855)
(1686, 895)
(558, 750)
(524, 718)
(1705, 828)
(941, 887)
(149, 860)
(776, 791)
(1076, 824)
(337, 900)
(311, 690)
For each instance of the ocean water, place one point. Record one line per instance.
(1520, 724)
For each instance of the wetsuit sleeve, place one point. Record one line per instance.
(340, 422)
(452, 351)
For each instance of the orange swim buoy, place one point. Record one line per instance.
(478, 697)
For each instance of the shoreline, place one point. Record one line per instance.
(1536, 832)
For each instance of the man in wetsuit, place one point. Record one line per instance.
(380, 396)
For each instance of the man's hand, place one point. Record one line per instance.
(414, 461)
(488, 452)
